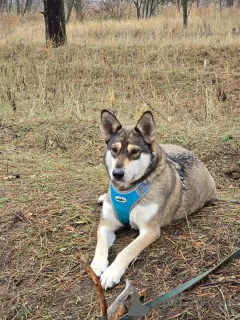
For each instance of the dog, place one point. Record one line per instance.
(150, 186)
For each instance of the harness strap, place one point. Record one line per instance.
(124, 201)
(134, 309)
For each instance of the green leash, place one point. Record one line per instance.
(139, 309)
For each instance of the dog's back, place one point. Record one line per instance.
(199, 186)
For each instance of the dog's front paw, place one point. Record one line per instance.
(112, 275)
(99, 266)
(101, 198)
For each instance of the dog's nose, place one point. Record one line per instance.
(118, 174)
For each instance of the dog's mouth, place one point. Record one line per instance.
(122, 179)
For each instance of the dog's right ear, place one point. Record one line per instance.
(109, 124)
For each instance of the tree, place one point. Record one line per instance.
(18, 7)
(69, 9)
(230, 3)
(185, 12)
(28, 6)
(55, 25)
(186, 7)
(3, 5)
(146, 8)
(79, 9)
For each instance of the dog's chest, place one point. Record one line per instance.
(142, 213)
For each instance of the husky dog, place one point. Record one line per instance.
(150, 186)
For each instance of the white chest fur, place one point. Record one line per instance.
(142, 213)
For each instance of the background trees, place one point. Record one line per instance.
(146, 8)
(104, 9)
(79, 8)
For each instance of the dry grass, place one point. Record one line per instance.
(49, 109)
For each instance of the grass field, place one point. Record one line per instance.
(51, 166)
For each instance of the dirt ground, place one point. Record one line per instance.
(51, 174)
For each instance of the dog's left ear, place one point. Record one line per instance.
(146, 126)
(109, 124)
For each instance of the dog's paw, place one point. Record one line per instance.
(101, 198)
(112, 275)
(99, 266)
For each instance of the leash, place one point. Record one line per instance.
(138, 309)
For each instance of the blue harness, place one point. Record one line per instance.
(124, 201)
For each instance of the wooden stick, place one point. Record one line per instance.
(92, 274)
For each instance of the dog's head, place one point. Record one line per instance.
(131, 151)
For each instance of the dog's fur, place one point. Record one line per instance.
(180, 185)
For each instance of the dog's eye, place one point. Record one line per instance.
(135, 151)
(114, 149)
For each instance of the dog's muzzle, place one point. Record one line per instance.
(118, 174)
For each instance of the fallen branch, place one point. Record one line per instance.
(92, 274)
(121, 304)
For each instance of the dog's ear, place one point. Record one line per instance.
(109, 124)
(146, 127)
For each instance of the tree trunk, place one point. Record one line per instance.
(18, 7)
(69, 8)
(9, 6)
(136, 3)
(55, 25)
(28, 6)
(79, 10)
(229, 3)
(2, 5)
(185, 12)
